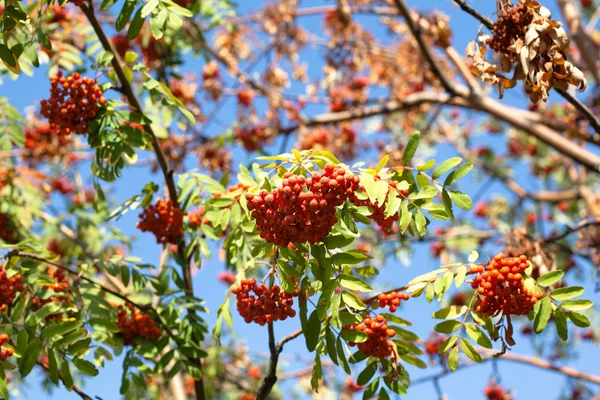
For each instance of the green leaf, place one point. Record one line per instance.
(30, 357)
(342, 356)
(543, 315)
(311, 335)
(461, 273)
(60, 328)
(447, 203)
(560, 321)
(469, 350)
(43, 39)
(85, 367)
(477, 335)
(365, 376)
(448, 344)
(330, 341)
(450, 312)
(349, 257)
(461, 200)
(353, 283)
(368, 182)
(65, 374)
(550, 278)
(566, 293)
(79, 346)
(473, 256)
(19, 308)
(22, 342)
(354, 336)
(421, 223)
(577, 319)
(577, 305)
(125, 14)
(405, 216)
(317, 373)
(383, 394)
(149, 7)
(136, 26)
(103, 324)
(52, 366)
(458, 173)
(411, 148)
(412, 360)
(447, 326)
(7, 56)
(4, 389)
(325, 299)
(426, 166)
(430, 292)
(371, 389)
(445, 167)
(453, 359)
(392, 204)
(426, 192)
(352, 301)
(37, 317)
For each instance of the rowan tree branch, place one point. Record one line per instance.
(518, 358)
(88, 10)
(569, 231)
(516, 188)
(469, 10)
(275, 350)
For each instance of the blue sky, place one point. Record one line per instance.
(528, 382)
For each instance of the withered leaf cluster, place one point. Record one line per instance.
(528, 42)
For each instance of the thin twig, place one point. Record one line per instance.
(582, 108)
(74, 388)
(469, 10)
(567, 232)
(416, 32)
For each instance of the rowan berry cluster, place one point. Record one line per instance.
(344, 141)
(73, 103)
(496, 392)
(302, 209)
(214, 157)
(134, 323)
(392, 300)
(60, 285)
(252, 137)
(433, 344)
(211, 78)
(378, 345)
(40, 144)
(245, 97)
(164, 220)
(63, 185)
(378, 214)
(9, 286)
(501, 287)
(196, 216)
(509, 27)
(266, 305)
(4, 353)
